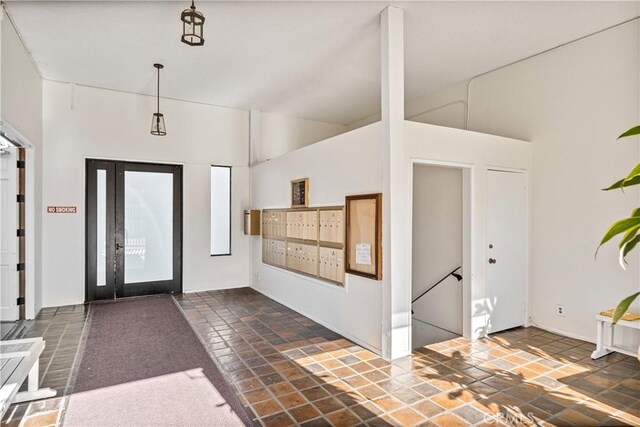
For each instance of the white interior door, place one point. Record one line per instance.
(506, 249)
(8, 237)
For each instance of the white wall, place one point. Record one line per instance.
(85, 123)
(346, 164)
(281, 134)
(21, 86)
(21, 107)
(437, 246)
(446, 107)
(571, 103)
(476, 153)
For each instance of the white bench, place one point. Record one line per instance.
(19, 360)
(603, 349)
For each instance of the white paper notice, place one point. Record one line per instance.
(363, 253)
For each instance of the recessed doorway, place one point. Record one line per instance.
(437, 251)
(133, 229)
(449, 229)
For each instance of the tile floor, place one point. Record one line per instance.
(289, 370)
(63, 331)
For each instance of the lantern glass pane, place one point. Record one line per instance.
(157, 125)
(187, 29)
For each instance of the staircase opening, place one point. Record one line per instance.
(437, 252)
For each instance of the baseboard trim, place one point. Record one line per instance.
(564, 333)
(218, 288)
(315, 319)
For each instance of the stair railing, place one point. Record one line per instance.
(452, 273)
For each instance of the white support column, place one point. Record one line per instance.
(255, 154)
(396, 296)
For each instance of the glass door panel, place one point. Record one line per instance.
(101, 228)
(148, 229)
(148, 226)
(100, 231)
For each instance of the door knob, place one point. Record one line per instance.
(492, 261)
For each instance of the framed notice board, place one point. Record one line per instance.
(300, 193)
(364, 235)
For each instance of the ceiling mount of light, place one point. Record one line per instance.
(192, 25)
(157, 121)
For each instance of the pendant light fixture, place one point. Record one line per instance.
(192, 24)
(157, 121)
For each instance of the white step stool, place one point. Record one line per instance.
(19, 360)
(603, 349)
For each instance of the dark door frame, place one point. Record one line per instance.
(115, 287)
(92, 291)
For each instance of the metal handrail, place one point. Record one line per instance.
(453, 273)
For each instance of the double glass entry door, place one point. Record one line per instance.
(134, 229)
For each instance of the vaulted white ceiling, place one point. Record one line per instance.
(316, 60)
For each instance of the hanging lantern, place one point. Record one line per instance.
(192, 24)
(157, 125)
(157, 121)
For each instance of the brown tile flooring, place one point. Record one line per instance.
(63, 331)
(289, 370)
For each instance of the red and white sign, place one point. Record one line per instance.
(61, 209)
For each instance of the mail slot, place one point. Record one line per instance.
(252, 222)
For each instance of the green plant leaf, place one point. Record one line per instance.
(633, 178)
(635, 172)
(619, 227)
(623, 249)
(633, 131)
(632, 232)
(626, 248)
(623, 306)
(629, 235)
(621, 184)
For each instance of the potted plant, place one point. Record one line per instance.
(628, 227)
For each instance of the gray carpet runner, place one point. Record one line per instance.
(143, 365)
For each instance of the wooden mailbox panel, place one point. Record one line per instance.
(309, 241)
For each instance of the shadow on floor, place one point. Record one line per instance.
(289, 370)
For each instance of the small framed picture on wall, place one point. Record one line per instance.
(364, 235)
(300, 193)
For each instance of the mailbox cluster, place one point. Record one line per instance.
(274, 223)
(302, 257)
(331, 264)
(302, 225)
(308, 241)
(332, 226)
(274, 252)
